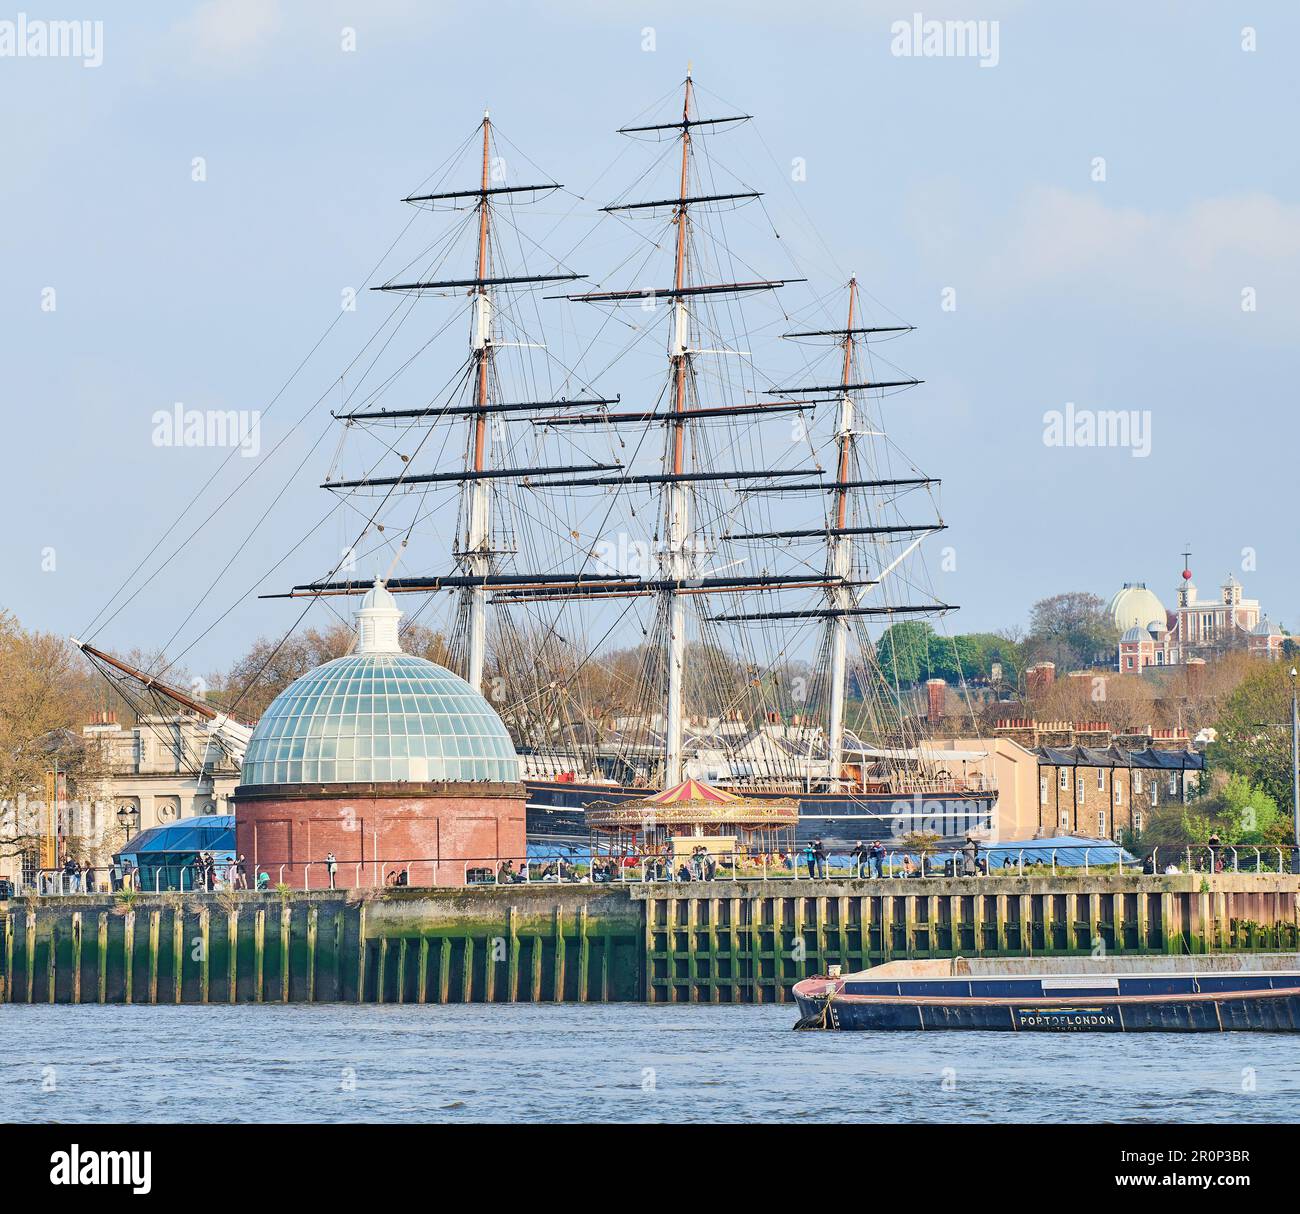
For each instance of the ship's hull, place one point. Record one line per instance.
(556, 813)
(1155, 1004)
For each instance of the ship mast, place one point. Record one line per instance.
(839, 559)
(477, 557)
(677, 500)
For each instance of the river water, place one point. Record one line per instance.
(620, 1063)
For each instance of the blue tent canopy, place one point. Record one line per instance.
(1070, 850)
(164, 856)
(205, 832)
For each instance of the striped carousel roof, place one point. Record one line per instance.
(692, 803)
(691, 792)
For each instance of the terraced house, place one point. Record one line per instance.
(1097, 783)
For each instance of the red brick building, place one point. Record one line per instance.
(388, 762)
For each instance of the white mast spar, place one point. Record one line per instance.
(839, 564)
(676, 558)
(477, 554)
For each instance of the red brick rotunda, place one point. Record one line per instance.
(388, 761)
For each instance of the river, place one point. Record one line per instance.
(620, 1063)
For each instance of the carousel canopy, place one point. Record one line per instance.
(691, 791)
(692, 803)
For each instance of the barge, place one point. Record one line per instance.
(1194, 994)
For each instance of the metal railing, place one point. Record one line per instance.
(596, 868)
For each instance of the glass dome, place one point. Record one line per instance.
(379, 716)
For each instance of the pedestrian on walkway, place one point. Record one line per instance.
(331, 867)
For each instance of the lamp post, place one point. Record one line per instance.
(1295, 775)
(126, 818)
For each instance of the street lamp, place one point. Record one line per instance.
(126, 818)
(1295, 775)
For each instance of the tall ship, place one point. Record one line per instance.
(651, 509)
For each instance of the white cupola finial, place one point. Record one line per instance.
(377, 619)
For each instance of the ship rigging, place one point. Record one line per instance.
(749, 604)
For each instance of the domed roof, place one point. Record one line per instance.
(379, 715)
(1265, 629)
(1134, 605)
(1136, 633)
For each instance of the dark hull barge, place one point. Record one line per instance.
(1201, 994)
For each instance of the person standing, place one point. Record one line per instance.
(331, 867)
(859, 855)
(819, 854)
(877, 853)
(810, 859)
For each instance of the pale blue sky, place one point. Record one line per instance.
(923, 173)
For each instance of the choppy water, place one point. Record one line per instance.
(609, 1063)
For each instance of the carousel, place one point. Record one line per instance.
(690, 818)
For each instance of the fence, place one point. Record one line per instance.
(594, 868)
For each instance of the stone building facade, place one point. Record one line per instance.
(162, 768)
(1099, 784)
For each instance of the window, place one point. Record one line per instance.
(1065, 777)
(1078, 791)
(1137, 820)
(1155, 789)
(1137, 783)
(1118, 789)
(1042, 790)
(1173, 784)
(1065, 819)
(1101, 824)
(1101, 778)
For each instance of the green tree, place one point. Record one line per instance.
(1254, 740)
(1237, 812)
(903, 652)
(1072, 629)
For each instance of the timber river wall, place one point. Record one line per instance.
(697, 942)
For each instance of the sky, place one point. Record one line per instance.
(1100, 211)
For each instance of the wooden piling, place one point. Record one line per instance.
(259, 951)
(29, 955)
(204, 967)
(178, 954)
(286, 921)
(232, 955)
(512, 954)
(7, 994)
(313, 920)
(361, 952)
(101, 949)
(583, 954)
(467, 976)
(76, 956)
(128, 952)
